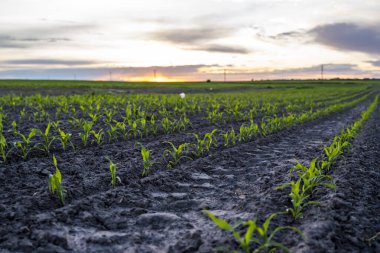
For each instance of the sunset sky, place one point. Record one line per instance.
(188, 40)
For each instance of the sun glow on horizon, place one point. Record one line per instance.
(157, 79)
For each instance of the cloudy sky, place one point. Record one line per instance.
(188, 40)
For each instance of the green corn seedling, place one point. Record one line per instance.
(35, 116)
(232, 137)
(47, 139)
(335, 150)
(198, 146)
(87, 126)
(22, 114)
(128, 114)
(214, 115)
(84, 109)
(244, 134)
(226, 138)
(298, 198)
(98, 136)
(94, 117)
(166, 125)
(264, 128)
(55, 183)
(182, 124)
(4, 151)
(144, 127)
(78, 123)
(112, 132)
(123, 129)
(147, 163)
(312, 176)
(210, 140)
(134, 131)
(113, 169)
(203, 146)
(237, 114)
(109, 115)
(253, 129)
(24, 145)
(55, 124)
(255, 238)
(153, 125)
(175, 154)
(64, 138)
(14, 128)
(58, 113)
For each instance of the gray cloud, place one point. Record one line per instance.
(328, 68)
(101, 72)
(7, 41)
(38, 36)
(310, 72)
(190, 35)
(49, 62)
(223, 49)
(341, 36)
(375, 63)
(348, 36)
(200, 39)
(291, 35)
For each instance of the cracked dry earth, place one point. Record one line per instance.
(163, 211)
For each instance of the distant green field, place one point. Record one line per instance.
(47, 86)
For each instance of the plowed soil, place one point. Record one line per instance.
(163, 211)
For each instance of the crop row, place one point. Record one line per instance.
(134, 124)
(253, 237)
(108, 108)
(309, 178)
(203, 144)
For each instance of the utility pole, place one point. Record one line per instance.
(110, 75)
(154, 75)
(224, 75)
(322, 72)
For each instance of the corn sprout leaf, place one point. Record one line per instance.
(222, 224)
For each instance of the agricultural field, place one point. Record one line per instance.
(251, 167)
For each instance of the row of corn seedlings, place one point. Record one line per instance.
(134, 124)
(309, 178)
(252, 237)
(24, 144)
(269, 125)
(237, 111)
(247, 132)
(105, 107)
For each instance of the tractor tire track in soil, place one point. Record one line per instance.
(350, 215)
(159, 213)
